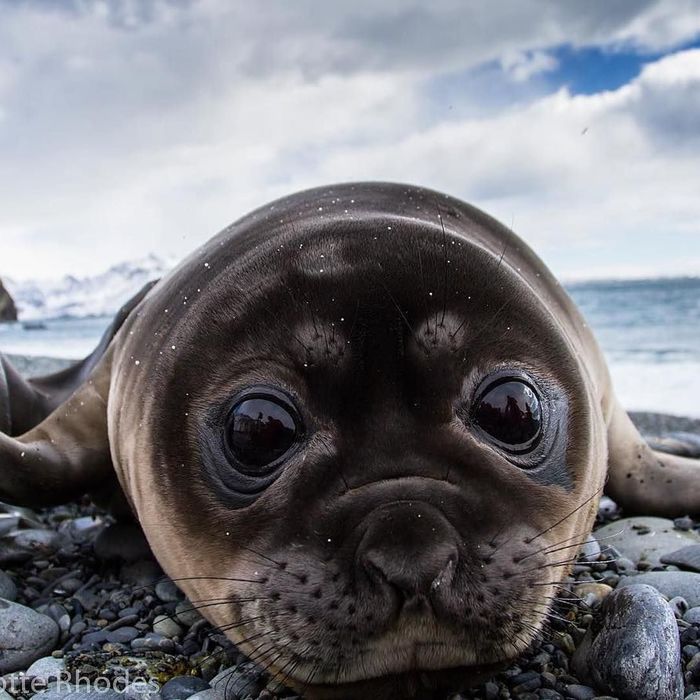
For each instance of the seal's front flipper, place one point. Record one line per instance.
(54, 444)
(64, 456)
(645, 481)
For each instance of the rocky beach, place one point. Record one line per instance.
(85, 610)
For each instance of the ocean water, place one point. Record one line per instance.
(648, 329)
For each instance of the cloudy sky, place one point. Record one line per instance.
(146, 126)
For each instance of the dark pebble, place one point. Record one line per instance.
(580, 692)
(122, 635)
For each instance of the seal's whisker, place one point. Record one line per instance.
(261, 555)
(566, 517)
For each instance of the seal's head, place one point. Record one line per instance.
(364, 429)
(357, 437)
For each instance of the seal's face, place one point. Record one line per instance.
(373, 424)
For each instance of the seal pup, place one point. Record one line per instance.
(364, 426)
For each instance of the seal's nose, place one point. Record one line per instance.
(410, 546)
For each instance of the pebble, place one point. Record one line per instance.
(209, 694)
(580, 692)
(142, 690)
(165, 625)
(167, 591)
(670, 584)
(187, 614)
(590, 550)
(153, 642)
(25, 636)
(684, 558)
(692, 615)
(122, 635)
(8, 589)
(66, 691)
(592, 594)
(636, 652)
(645, 538)
(234, 683)
(182, 687)
(47, 668)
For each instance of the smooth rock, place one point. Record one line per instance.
(670, 584)
(635, 655)
(684, 558)
(165, 625)
(592, 593)
(590, 550)
(233, 683)
(607, 507)
(82, 529)
(182, 687)
(25, 636)
(47, 668)
(8, 589)
(187, 614)
(692, 615)
(142, 690)
(122, 541)
(644, 538)
(167, 591)
(66, 691)
(580, 692)
(209, 694)
(122, 635)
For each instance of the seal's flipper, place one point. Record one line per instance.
(64, 456)
(643, 480)
(60, 447)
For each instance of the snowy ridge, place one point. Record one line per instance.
(80, 297)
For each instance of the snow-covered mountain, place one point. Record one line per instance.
(77, 297)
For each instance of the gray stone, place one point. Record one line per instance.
(25, 636)
(167, 591)
(82, 529)
(670, 584)
(692, 616)
(123, 542)
(47, 668)
(644, 538)
(209, 694)
(183, 687)
(187, 614)
(580, 692)
(607, 507)
(233, 683)
(590, 551)
(66, 691)
(8, 589)
(684, 558)
(165, 625)
(636, 653)
(142, 690)
(122, 635)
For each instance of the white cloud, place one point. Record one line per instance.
(147, 126)
(522, 66)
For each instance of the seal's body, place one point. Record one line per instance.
(369, 424)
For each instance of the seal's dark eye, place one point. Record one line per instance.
(509, 411)
(261, 430)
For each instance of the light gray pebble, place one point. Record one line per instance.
(645, 538)
(580, 692)
(47, 668)
(692, 616)
(25, 636)
(165, 625)
(670, 584)
(142, 690)
(590, 550)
